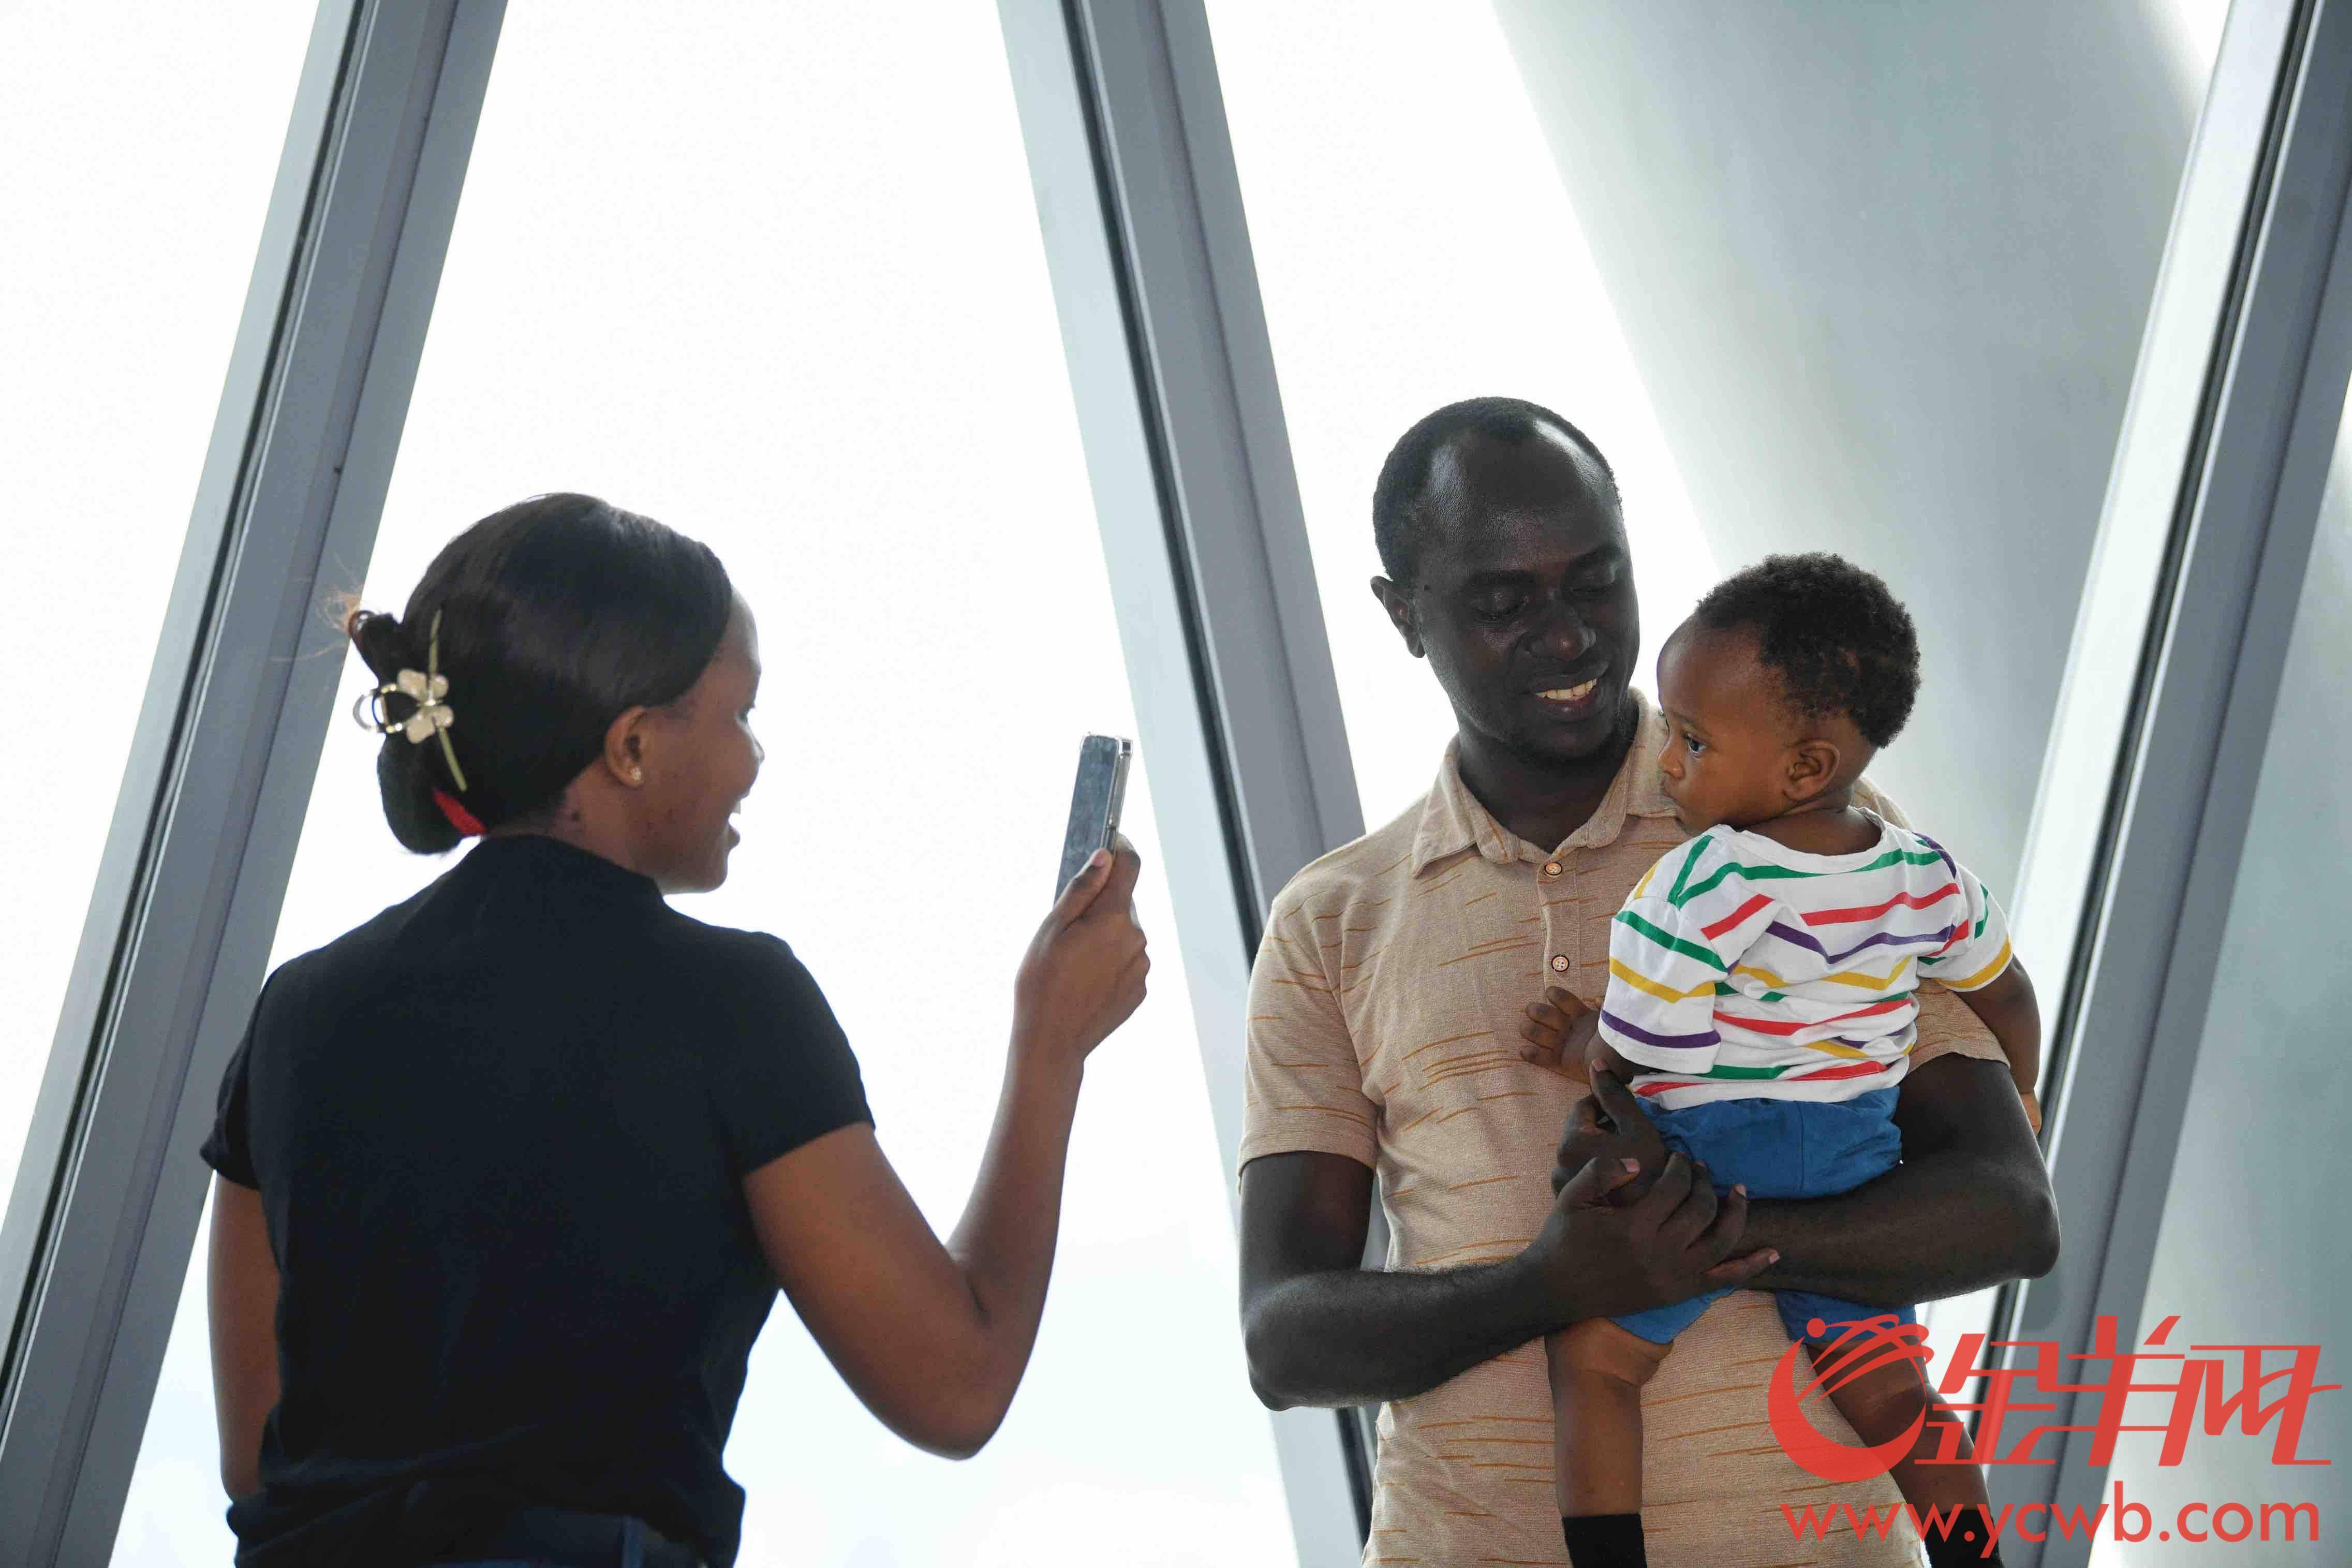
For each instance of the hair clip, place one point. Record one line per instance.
(429, 690)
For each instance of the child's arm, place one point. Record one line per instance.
(2006, 1005)
(1600, 1056)
(1563, 1033)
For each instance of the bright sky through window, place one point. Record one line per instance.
(134, 196)
(774, 275)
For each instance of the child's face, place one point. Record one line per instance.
(1730, 740)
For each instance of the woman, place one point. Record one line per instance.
(508, 1177)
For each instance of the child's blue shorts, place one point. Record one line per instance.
(1781, 1148)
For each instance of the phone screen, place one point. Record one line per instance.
(1095, 802)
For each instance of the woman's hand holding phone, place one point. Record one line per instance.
(934, 1337)
(1083, 973)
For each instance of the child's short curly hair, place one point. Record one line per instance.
(1840, 642)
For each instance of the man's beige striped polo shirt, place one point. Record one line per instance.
(1385, 1025)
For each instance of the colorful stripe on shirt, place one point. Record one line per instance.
(1763, 971)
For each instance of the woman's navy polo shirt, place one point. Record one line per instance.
(500, 1133)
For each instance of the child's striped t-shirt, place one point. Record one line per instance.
(1742, 968)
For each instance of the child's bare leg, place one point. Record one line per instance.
(1881, 1405)
(1597, 1372)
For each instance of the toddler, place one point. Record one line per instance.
(1760, 1004)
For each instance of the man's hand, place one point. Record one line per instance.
(1597, 1257)
(1610, 1124)
(1319, 1329)
(1561, 1033)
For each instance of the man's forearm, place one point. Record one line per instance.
(1938, 1226)
(1361, 1336)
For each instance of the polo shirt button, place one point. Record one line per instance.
(1552, 867)
(1559, 964)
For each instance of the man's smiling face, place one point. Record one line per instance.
(1522, 597)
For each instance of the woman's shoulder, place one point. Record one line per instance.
(763, 1021)
(725, 959)
(354, 962)
(678, 932)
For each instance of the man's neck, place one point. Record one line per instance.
(1543, 800)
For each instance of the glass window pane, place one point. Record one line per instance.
(134, 194)
(1866, 282)
(1812, 280)
(773, 275)
(2272, 1022)
(1379, 315)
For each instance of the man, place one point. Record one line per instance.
(1384, 1037)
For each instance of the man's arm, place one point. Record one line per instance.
(1969, 1205)
(1320, 1330)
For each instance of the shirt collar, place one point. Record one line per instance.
(1452, 820)
(536, 854)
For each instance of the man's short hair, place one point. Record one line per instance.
(1398, 500)
(1838, 638)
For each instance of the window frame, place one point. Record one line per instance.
(105, 1208)
(1182, 424)
(2208, 534)
(1181, 419)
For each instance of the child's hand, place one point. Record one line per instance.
(2032, 1109)
(1560, 1033)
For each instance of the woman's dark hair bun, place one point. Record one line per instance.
(557, 615)
(381, 640)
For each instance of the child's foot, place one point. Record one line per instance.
(1605, 1540)
(1963, 1543)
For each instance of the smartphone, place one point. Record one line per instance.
(1094, 802)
